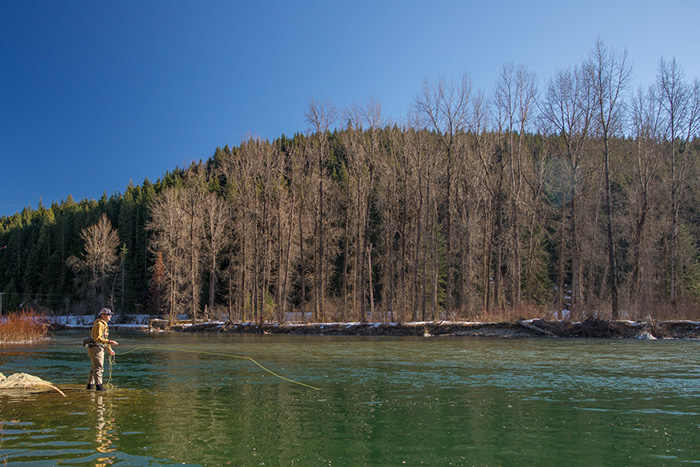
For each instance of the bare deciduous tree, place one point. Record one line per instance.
(191, 207)
(100, 259)
(566, 113)
(646, 163)
(609, 73)
(320, 116)
(515, 100)
(168, 241)
(680, 104)
(444, 108)
(216, 217)
(363, 153)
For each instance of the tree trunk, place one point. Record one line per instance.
(612, 263)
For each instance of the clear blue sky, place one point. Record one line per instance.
(94, 94)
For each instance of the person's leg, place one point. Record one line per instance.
(91, 378)
(97, 356)
(100, 368)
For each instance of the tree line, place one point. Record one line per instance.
(576, 199)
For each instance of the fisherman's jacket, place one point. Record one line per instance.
(99, 335)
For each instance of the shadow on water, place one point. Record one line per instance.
(383, 401)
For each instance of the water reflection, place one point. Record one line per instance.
(105, 428)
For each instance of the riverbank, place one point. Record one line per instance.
(591, 328)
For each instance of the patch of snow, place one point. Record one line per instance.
(83, 321)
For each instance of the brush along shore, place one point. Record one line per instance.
(591, 328)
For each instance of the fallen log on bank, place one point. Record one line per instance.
(536, 328)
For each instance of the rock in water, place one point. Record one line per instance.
(645, 335)
(24, 381)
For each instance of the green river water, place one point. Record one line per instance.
(381, 401)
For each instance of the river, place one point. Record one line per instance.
(222, 399)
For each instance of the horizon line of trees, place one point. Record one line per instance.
(581, 197)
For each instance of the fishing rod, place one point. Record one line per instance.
(241, 357)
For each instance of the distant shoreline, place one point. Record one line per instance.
(589, 328)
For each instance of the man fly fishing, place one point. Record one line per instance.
(96, 345)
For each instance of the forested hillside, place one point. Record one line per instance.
(582, 196)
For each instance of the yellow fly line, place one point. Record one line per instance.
(241, 357)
